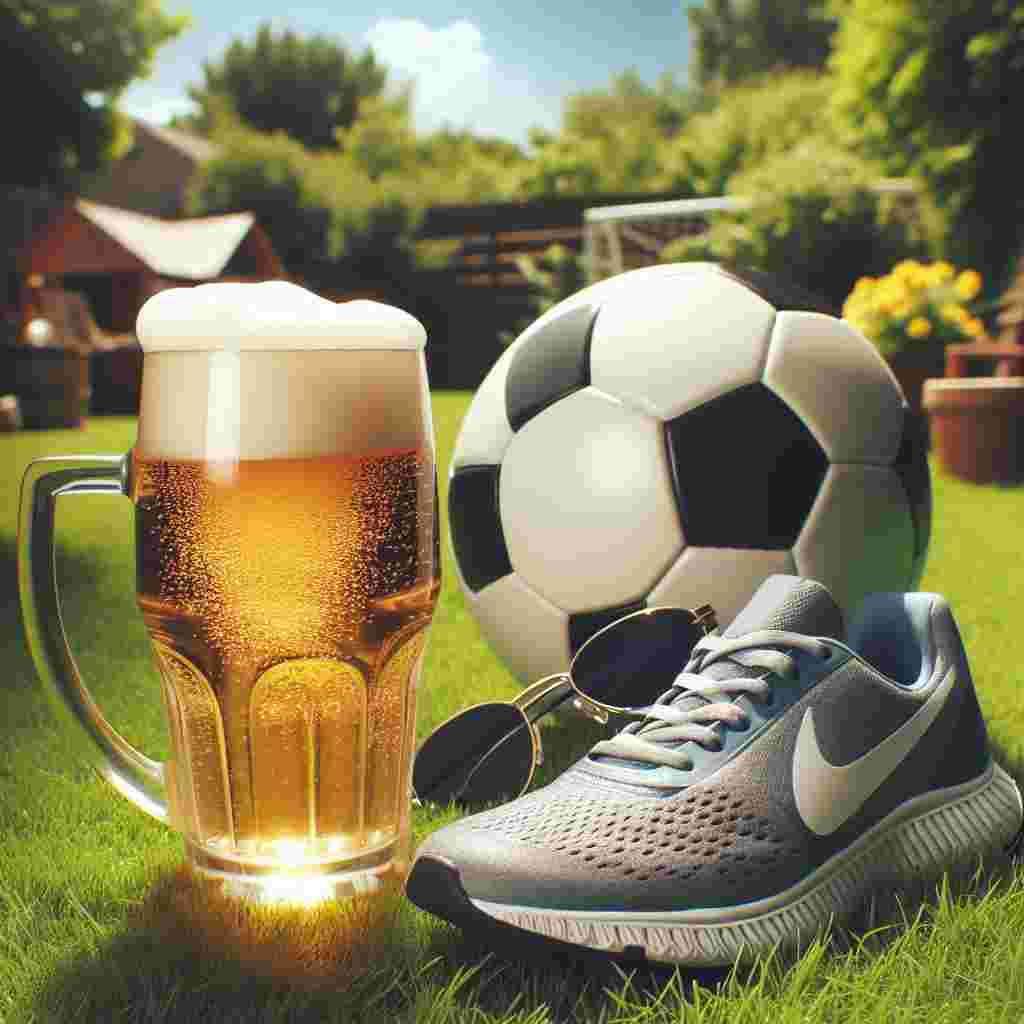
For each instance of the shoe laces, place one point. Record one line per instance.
(698, 703)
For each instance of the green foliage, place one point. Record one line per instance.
(266, 174)
(611, 140)
(370, 223)
(99, 47)
(443, 167)
(381, 140)
(348, 215)
(734, 40)
(459, 167)
(553, 276)
(747, 125)
(934, 88)
(103, 44)
(330, 220)
(306, 87)
(817, 219)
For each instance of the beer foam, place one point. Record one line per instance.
(222, 406)
(268, 315)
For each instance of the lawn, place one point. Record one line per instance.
(97, 922)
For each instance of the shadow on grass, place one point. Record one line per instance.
(189, 953)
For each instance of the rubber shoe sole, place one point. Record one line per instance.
(933, 833)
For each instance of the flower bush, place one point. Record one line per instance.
(916, 304)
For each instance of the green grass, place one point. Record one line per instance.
(97, 922)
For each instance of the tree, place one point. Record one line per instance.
(611, 140)
(748, 124)
(307, 88)
(934, 88)
(663, 107)
(330, 223)
(736, 39)
(266, 174)
(818, 220)
(83, 56)
(381, 140)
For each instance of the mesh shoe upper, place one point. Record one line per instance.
(600, 837)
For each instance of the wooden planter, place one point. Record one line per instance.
(1005, 358)
(977, 426)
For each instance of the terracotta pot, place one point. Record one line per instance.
(977, 426)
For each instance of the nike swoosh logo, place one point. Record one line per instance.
(827, 794)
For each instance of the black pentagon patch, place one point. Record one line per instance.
(911, 466)
(583, 625)
(745, 470)
(554, 363)
(781, 292)
(475, 523)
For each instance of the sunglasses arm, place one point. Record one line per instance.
(552, 691)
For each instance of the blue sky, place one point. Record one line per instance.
(497, 69)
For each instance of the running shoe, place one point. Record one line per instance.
(793, 768)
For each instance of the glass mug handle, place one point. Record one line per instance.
(130, 772)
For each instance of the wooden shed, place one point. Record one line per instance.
(119, 258)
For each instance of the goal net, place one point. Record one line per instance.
(618, 238)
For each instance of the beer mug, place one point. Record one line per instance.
(287, 555)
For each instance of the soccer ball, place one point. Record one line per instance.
(672, 436)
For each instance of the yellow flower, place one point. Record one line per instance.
(919, 327)
(906, 267)
(940, 272)
(864, 284)
(952, 313)
(968, 284)
(890, 293)
(911, 274)
(974, 327)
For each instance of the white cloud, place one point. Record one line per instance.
(458, 81)
(154, 107)
(444, 61)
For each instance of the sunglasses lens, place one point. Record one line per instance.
(634, 660)
(484, 754)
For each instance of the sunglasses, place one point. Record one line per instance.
(490, 751)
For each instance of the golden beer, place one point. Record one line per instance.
(287, 600)
(287, 571)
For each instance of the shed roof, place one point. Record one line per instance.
(195, 249)
(196, 148)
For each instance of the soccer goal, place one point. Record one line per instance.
(618, 238)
